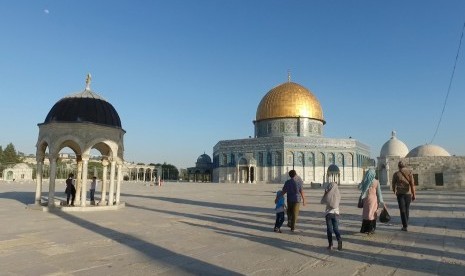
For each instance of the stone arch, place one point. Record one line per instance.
(290, 158)
(340, 162)
(278, 158)
(246, 170)
(106, 148)
(331, 158)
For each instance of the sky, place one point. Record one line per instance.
(184, 74)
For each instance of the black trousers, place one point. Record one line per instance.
(72, 195)
(404, 205)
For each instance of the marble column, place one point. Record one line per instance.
(40, 165)
(78, 179)
(51, 189)
(85, 162)
(249, 174)
(104, 182)
(118, 183)
(111, 195)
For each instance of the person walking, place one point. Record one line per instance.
(93, 184)
(403, 186)
(372, 199)
(279, 209)
(332, 198)
(295, 195)
(70, 190)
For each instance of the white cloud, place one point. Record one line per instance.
(46, 11)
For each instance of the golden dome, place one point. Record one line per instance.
(289, 100)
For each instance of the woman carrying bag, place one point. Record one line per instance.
(372, 199)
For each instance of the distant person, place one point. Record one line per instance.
(279, 209)
(93, 184)
(295, 195)
(70, 190)
(403, 185)
(372, 199)
(332, 198)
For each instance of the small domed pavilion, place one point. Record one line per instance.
(202, 172)
(82, 121)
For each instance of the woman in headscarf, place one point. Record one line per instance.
(372, 200)
(332, 198)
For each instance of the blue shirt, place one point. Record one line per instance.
(280, 203)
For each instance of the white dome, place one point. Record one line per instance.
(427, 150)
(393, 147)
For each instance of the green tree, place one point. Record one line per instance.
(169, 172)
(10, 155)
(1, 155)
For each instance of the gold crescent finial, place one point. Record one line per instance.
(88, 80)
(288, 75)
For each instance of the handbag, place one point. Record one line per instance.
(384, 217)
(360, 202)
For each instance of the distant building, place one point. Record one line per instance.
(18, 172)
(289, 135)
(432, 166)
(203, 170)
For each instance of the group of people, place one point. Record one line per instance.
(70, 190)
(402, 185)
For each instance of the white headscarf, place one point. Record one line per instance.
(332, 197)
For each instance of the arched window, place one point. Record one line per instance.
(233, 159)
(278, 159)
(331, 158)
(290, 158)
(225, 160)
(311, 158)
(260, 158)
(300, 158)
(268, 159)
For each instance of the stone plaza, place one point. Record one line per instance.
(225, 229)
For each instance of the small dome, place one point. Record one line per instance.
(333, 169)
(85, 106)
(427, 150)
(289, 100)
(204, 159)
(393, 147)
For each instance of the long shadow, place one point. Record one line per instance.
(417, 249)
(187, 264)
(225, 221)
(23, 197)
(204, 203)
(436, 208)
(415, 265)
(28, 197)
(210, 218)
(275, 242)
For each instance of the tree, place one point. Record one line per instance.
(168, 171)
(9, 155)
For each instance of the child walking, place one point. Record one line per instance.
(279, 209)
(332, 198)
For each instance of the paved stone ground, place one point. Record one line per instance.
(225, 229)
